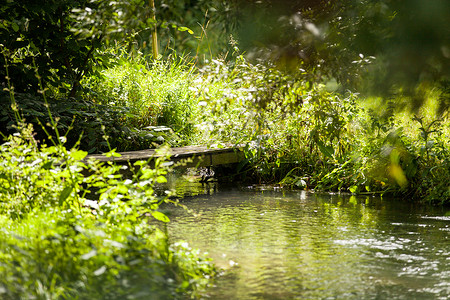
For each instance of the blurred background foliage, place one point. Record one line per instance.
(383, 47)
(62, 39)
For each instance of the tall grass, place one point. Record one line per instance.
(156, 92)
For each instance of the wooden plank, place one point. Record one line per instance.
(191, 156)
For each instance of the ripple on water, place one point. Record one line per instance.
(291, 246)
(371, 243)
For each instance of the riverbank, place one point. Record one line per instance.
(80, 78)
(294, 132)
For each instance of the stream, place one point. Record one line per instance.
(274, 244)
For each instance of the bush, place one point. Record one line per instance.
(299, 134)
(97, 128)
(56, 243)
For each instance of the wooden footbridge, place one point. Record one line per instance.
(189, 157)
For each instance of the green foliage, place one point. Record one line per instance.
(367, 46)
(61, 256)
(434, 153)
(57, 243)
(314, 138)
(155, 93)
(97, 127)
(61, 39)
(195, 28)
(291, 128)
(198, 29)
(38, 35)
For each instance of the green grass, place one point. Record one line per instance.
(156, 93)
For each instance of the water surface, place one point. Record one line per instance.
(297, 245)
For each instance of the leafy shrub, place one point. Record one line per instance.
(299, 132)
(98, 128)
(56, 243)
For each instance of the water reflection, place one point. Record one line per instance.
(294, 245)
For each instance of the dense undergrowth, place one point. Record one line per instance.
(58, 243)
(295, 131)
(299, 134)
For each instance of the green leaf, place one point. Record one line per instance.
(353, 188)
(185, 284)
(328, 151)
(113, 153)
(161, 179)
(15, 27)
(160, 216)
(47, 165)
(122, 189)
(64, 194)
(78, 155)
(185, 29)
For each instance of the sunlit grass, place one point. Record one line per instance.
(156, 92)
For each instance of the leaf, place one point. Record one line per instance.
(160, 216)
(64, 194)
(47, 165)
(353, 189)
(161, 179)
(328, 151)
(185, 284)
(122, 189)
(15, 27)
(113, 153)
(140, 163)
(92, 150)
(78, 155)
(185, 29)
